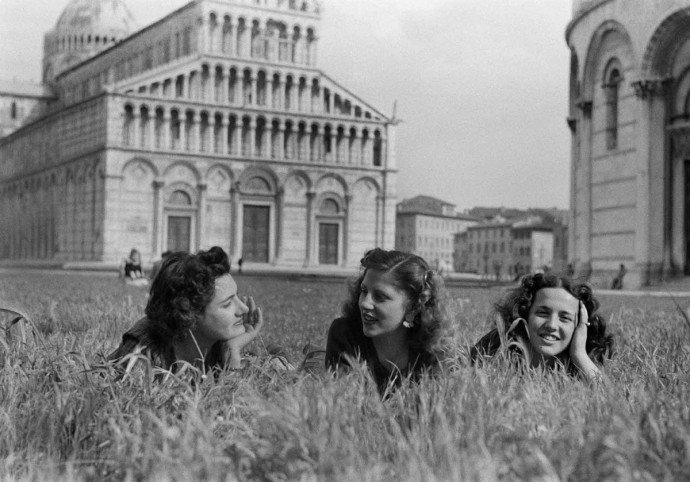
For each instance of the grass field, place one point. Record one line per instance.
(62, 417)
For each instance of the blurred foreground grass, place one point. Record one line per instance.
(63, 418)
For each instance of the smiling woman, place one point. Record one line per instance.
(194, 315)
(551, 321)
(392, 321)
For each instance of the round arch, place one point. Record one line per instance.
(664, 43)
(594, 54)
(142, 160)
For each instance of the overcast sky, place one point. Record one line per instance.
(481, 86)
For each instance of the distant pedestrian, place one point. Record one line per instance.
(570, 271)
(131, 271)
(392, 320)
(617, 283)
(549, 321)
(239, 265)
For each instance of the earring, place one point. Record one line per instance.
(408, 323)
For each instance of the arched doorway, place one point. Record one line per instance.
(258, 213)
(330, 228)
(180, 221)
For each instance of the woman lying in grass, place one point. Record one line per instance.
(392, 321)
(193, 315)
(550, 321)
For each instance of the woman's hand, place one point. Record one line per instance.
(579, 342)
(253, 323)
(578, 345)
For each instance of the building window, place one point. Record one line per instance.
(612, 82)
(13, 109)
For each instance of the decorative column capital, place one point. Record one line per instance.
(648, 88)
(202, 186)
(158, 184)
(310, 195)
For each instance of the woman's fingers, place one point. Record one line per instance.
(258, 319)
(584, 318)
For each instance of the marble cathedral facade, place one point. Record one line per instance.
(212, 126)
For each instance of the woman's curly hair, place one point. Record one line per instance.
(183, 287)
(423, 287)
(517, 304)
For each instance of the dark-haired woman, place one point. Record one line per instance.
(550, 321)
(194, 314)
(393, 319)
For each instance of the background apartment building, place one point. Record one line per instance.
(510, 242)
(426, 226)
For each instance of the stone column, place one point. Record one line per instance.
(294, 106)
(232, 39)
(189, 94)
(654, 229)
(346, 229)
(354, 148)
(253, 90)
(310, 222)
(223, 134)
(280, 152)
(281, 94)
(269, 92)
(201, 216)
(280, 202)
(379, 219)
(183, 131)
(135, 141)
(235, 223)
(585, 229)
(237, 141)
(574, 126)
(318, 144)
(153, 120)
(313, 50)
(202, 35)
(158, 214)
(306, 155)
(194, 131)
(252, 138)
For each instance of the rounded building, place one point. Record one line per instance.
(629, 114)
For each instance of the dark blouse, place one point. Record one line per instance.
(346, 337)
(143, 337)
(131, 268)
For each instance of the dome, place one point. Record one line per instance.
(85, 28)
(103, 18)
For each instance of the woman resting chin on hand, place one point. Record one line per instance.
(194, 315)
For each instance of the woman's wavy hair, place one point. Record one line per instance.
(517, 304)
(423, 287)
(183, 287)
